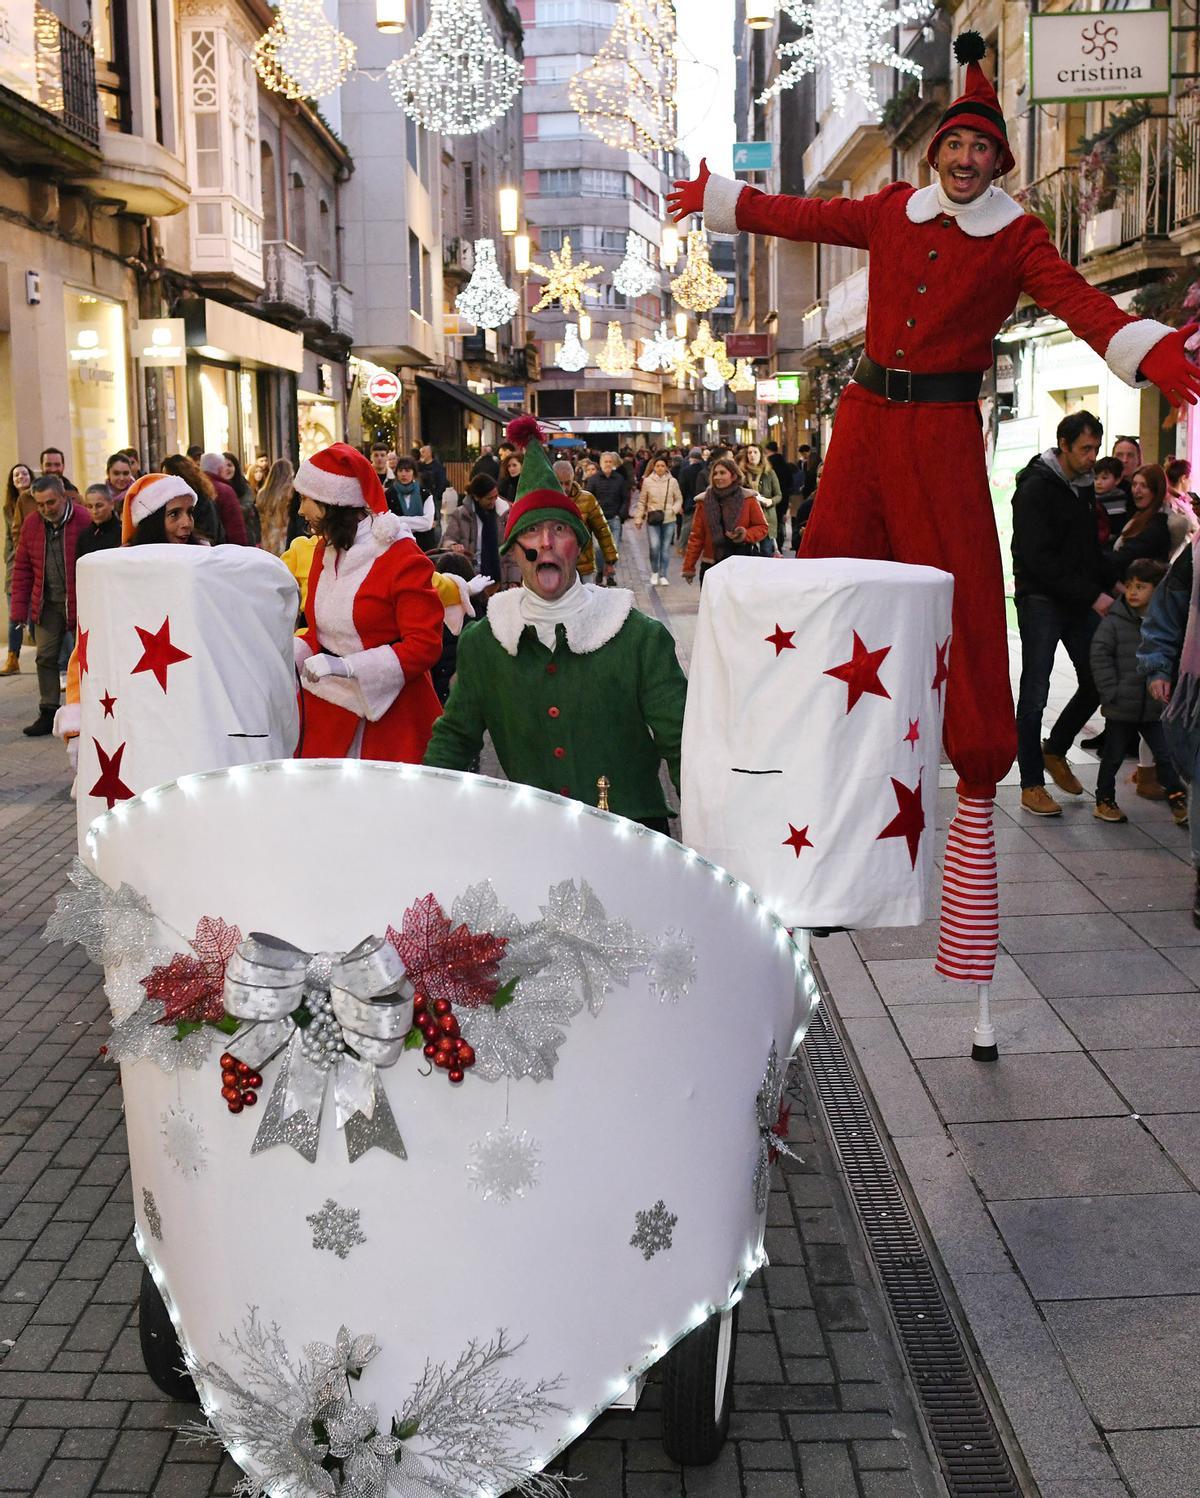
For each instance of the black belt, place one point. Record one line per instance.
(904, 387)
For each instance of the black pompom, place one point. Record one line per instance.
(969, 46)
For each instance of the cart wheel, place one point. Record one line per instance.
(161, 1352)
(698, 1390)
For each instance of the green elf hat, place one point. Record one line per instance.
(539, 496)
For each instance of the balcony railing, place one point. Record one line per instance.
(287, 278)
(1054, 198)
(66, 76)
(320, 295)
(343, 312)
(1187, 159)
(846, 315)
(812, 326)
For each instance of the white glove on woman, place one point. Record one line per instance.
(478, 584)
(317, 667)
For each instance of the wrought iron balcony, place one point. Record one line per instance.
(61, 84)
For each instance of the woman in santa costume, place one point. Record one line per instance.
(905, 476)
(374, 620)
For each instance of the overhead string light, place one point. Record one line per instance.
(565, 281)
(847, 38)
(486, 300)
(456, 80)
(635, 276)
(572, 356)
(301, 55)
(614, 358)
(698, 287)
(660, 351)
(626, 95)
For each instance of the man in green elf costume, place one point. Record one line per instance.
(571, 681)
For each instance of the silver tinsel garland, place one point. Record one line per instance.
(299, 1423)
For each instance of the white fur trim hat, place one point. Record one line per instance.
(153, 491)
(340, 475)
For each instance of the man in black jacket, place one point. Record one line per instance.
(1061, 585)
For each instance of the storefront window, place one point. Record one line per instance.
(97, 383)
(218, 397)
(318, 419)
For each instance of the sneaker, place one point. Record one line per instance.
(654, 579)
(42, 725)
(1178, 803)
(1109, 811)
(664, 581)
(1061, 772)
(1038, 800)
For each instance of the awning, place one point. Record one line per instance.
(463, 397)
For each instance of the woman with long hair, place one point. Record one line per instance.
(727, 521)
(273, 506)
(658, 505)
(207, 522)
(510, 476)
(763, 479)
(256, 474)
(232, 474)
(1181, 504)
(18, 502)
(1147, 534)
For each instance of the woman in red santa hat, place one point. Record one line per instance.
(374, 619)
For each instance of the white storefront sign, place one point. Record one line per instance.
(18, 53)
(1106, 54)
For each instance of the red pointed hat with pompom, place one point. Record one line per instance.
(339, 475)
(539, 497)
(977, 107)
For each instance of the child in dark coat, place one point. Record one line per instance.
(1129, 709)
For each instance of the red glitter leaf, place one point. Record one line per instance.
(444, 961)
(191, 986)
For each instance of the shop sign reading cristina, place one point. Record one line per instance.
(1108, 54)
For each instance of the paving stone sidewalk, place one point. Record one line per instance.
(822, 1408)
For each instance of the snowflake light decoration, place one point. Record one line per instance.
(615, 358)
(673, 966)
(301, 55)
(698, 287)
(626, 94)
(504, 1164)
(572, 355)
(183, 1141)
(486, 300)
(335, 1229)
(635, 276)
(660, 351)
(456, 80)
(846, 38)
(565, 281)
(652, 1229)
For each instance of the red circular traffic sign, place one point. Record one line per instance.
(384, 388)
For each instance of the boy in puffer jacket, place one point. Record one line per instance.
(1129, 709)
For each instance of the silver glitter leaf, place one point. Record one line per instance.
(504, 1164)
(652, 1229)
(141, 1037)
(111, 925)
(479, 909)
(598, 952)
(335, 1228)
(522, 1039)
(151, 1213)
(123, 983)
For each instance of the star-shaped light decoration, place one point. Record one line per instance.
(565, 281)
(861, 672)
(912, 737)
(797, 839)
(110, 785)
(909, 821)
(781, 639)
(660, 350)
(158, 653)
(846, 39)
(942, 672)
(108, 702)
(81, 650)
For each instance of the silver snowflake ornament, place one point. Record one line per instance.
(151, 1213)
(335, 1229)
(504, 1164)
(652, 1230)
(846, 39)
(183, 1141)
(673, 967)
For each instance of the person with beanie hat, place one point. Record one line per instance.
(571, 681)
(374, 621)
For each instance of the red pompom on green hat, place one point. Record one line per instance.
(539, 497)
(977, 107)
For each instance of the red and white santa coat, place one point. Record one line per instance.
(908, 482)
(375, 606)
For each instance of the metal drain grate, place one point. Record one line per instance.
(964, 1435)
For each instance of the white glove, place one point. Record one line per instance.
(73, 751)
(316, 667)
(478, 584)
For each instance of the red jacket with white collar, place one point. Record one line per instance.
(942, 286)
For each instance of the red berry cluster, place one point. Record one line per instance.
(444, 1046)
(239, 1083)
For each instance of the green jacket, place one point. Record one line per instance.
(608, 700)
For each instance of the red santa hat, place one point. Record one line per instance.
(340, 475)
(977, 107)
(152, 492)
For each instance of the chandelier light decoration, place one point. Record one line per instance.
(743, 377)
(301, 55)
(486, 300)
(848, 38)
(614, 357)
(698, 287)
(712, 379)
(660, 351)
(705, 346)
(456, 80)
(572, 356)
(565, 281)
(635, 276)
(626, 95)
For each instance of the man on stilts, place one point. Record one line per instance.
(948, 263)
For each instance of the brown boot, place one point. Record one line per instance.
(1038, 800)
(1179, 807)
(1061, 772)
(12, 665)
(1148, 784)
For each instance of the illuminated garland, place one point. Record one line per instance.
(302, 56)
(705, 347)
(698, 287)
(486, 300)
(626, 95)
(846, 38)
(456, 80)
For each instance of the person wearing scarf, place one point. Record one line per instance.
(571, 681)
(406, 500)
(762, 478)
(728, 521)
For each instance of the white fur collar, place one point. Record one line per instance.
(606, 612)
(986, 216)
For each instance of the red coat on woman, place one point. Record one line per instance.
(376, 606)
(700, 541)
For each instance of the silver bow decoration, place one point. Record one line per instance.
(361, 1008)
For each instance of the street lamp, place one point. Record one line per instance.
(585, 327)
(510, 210)
(390, 15)
(521, 254)
(760, 14)
(681, 324)
(668, 250)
